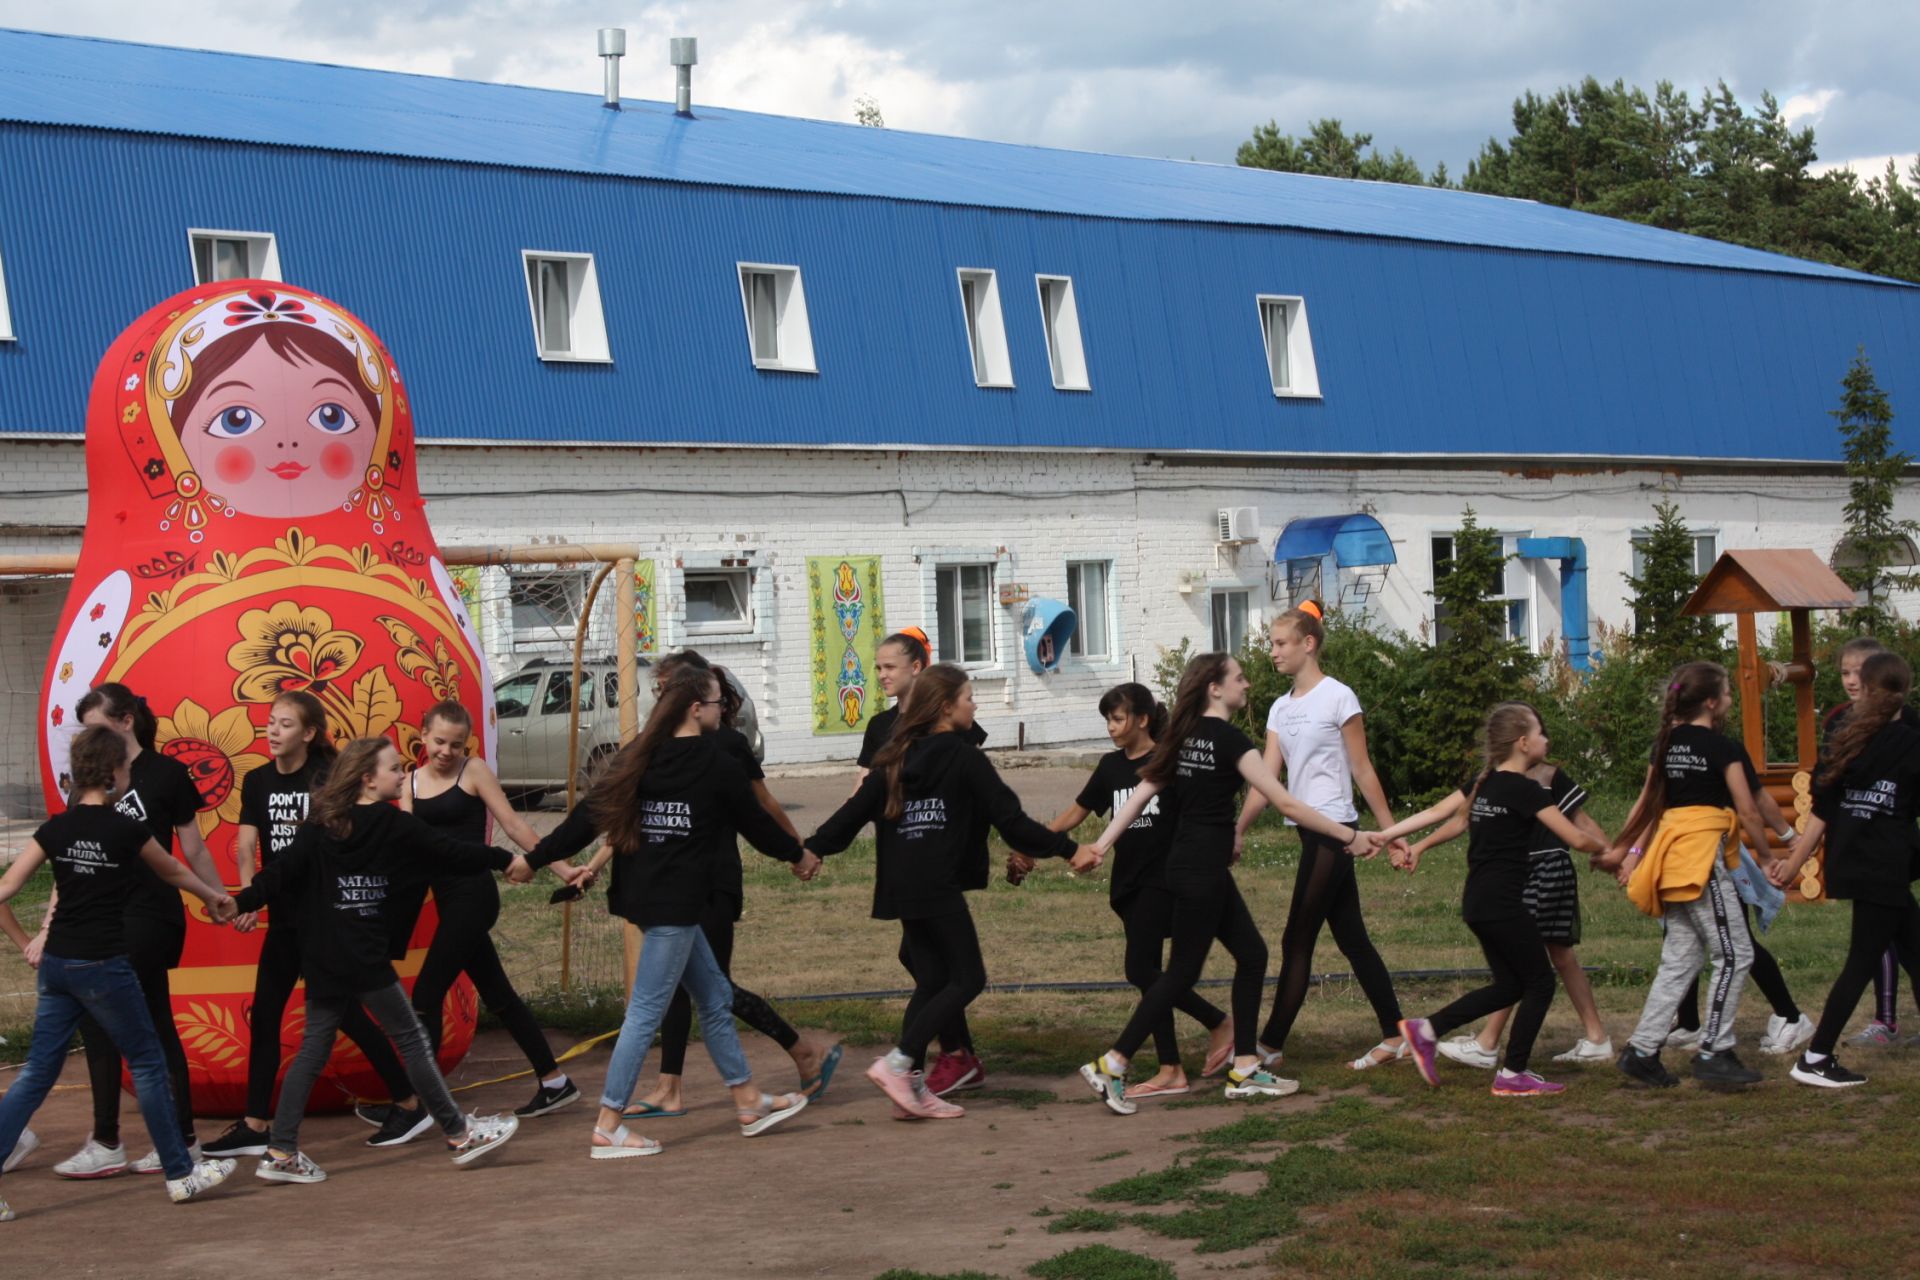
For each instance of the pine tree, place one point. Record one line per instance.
(1661, 632)
(1475, 665)
(1875, 540)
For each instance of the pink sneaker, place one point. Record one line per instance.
(1523, 1084)
(897, 1086)
(931, 1106)
(1422, 1044)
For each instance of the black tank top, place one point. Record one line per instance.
(454, 811)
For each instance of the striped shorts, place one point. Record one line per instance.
(1553, 896)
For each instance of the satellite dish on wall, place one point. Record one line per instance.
(1047, 627)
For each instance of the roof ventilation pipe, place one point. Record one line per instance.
(683, 52)
(613, 47)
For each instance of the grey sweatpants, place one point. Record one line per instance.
(394, 1012)
(1711, 928)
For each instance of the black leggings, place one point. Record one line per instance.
(1200, 914)
(948, 972)
(463, 943)
(955, 1036)
(1875, 926)
(153, 947)
(1521, 972)
(1326, 891)
(272, 988)
(1766, 975)
(1147, 915)
(751, 1009)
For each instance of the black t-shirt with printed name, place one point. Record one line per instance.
(1140, 854)
(1873, 846)
(161, 796)
(1500, 836)
(95, 854)
(1696, 767)
(275, 804)
(1205, 785)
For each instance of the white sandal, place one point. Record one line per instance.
(1367, 1062)
(618, 1148)
(771, 1111)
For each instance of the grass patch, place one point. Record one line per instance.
(1175, 1182)
(1084, 1220)
(1100, 1262)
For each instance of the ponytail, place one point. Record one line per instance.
(117, 702)
(1693, 686)
(1190, 702)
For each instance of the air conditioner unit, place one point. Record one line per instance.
(1239, 524)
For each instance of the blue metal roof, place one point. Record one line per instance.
(102, 84)
(1355, 541)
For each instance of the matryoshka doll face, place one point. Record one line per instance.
(283, 428)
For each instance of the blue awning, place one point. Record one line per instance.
(1354, 541)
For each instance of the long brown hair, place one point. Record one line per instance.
(1189, 708)
(614, 802)
(333, 800)
(1885, 681)
(1692, 687)
(312, 716)
(118, 702)
(92, 757)
(934, 690)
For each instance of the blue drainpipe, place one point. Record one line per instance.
(1572, 555)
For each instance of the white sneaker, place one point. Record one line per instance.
(93, 1161)
(28, 1143)
(1588, 1051)
(1785, 1037)
(1468, 1052)
(484, 1134)
(206, 1175)
(150, 1162)
(1681, 1038)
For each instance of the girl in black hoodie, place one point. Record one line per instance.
(927, 793)
(354, 850)
(1866, 795)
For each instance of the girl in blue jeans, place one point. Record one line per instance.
(669, 805)
(84, 970)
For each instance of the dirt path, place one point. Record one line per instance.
(840, 1191)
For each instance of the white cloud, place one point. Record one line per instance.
(1870, 166)
(1807, 108)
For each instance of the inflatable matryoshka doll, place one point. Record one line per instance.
(253, 527)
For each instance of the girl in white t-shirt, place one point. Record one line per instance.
(1317, 730)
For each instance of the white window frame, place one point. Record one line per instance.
(263, 252)
(6, 312)
(1636, 549)
(1216, 592)
(586, 320)
(954, 566)
(1301, 378)
(1528, 594)
(1076, 647)
(560, 638)
(986, 327)
(792, 332)
(742, 581)
(1066, 353)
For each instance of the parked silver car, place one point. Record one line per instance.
(532, 706)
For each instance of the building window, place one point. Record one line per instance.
(964, 612)
(563, 294)
(6, 315)
(774, 301)
(1061, 318)
(233, 255)
(986, 329)
(1706, 549)
(545, 606)
(1516, 587)
(1087, 597)
(1289, 346)
(1230, 620)
(1304, 581)
(718, 600)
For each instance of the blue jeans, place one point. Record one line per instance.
(108, 992)
(670, 956)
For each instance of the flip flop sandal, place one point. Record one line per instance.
(770, 1112)
(618, 1148)
(1156, 1091)
(648, 1111)
(817, 1086)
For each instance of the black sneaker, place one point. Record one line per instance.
(1645, 1069)
(1723, 1070)
(1825, 1074)
(238, 1140)
(373, 1113)
(402, 1127)
(547, 1100)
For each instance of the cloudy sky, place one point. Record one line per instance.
(1435, 77)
